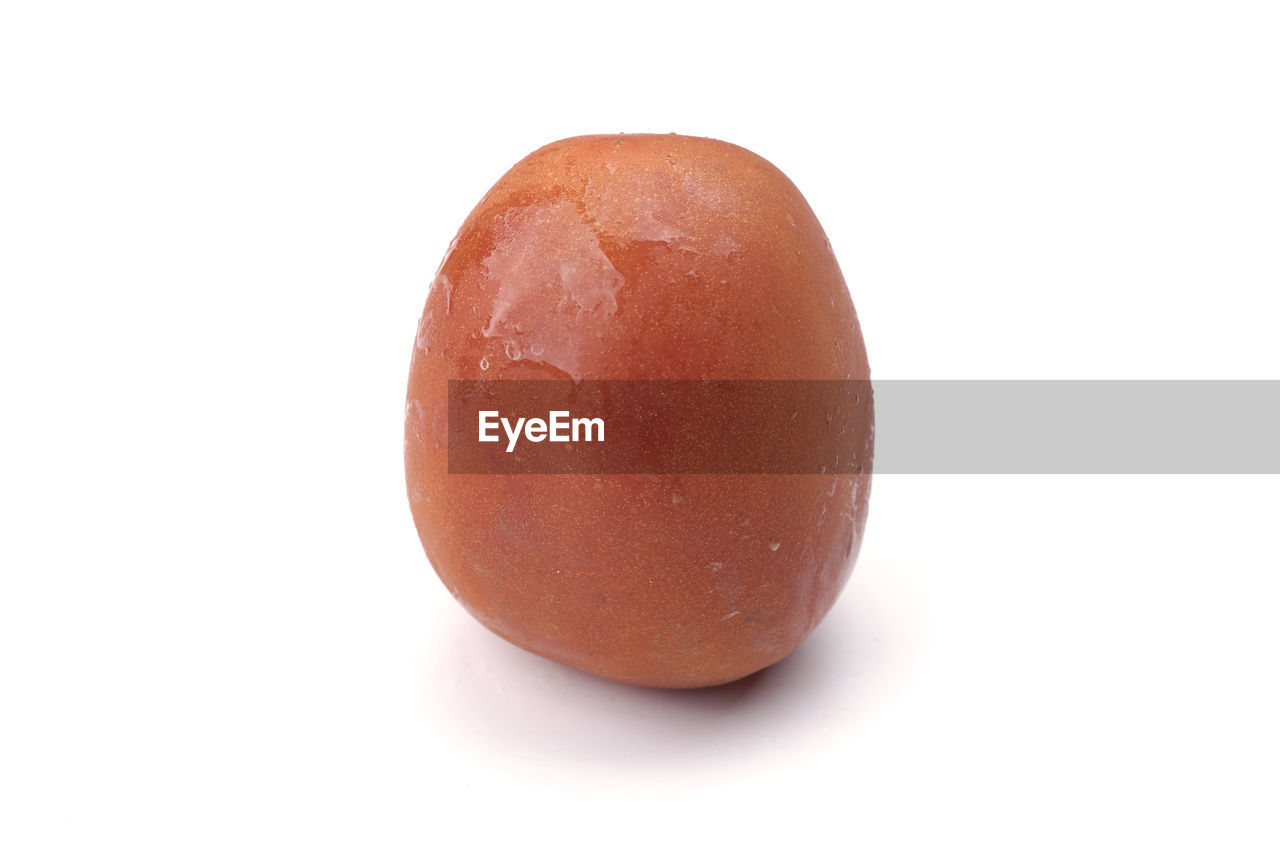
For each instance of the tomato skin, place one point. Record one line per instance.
(638, 257)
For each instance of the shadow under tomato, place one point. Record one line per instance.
(520, 707)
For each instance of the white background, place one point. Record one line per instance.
(217, 628)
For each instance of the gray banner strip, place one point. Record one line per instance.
(1077, 427)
